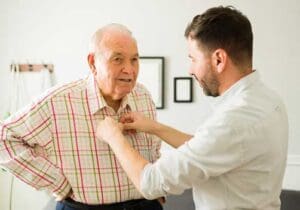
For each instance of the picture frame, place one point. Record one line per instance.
(183, 89)
(151, 75)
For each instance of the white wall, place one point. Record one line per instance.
(58, 32)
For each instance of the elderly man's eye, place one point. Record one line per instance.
(116, 59)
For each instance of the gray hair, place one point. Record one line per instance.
(99, 34)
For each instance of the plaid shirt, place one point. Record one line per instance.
(62, 124)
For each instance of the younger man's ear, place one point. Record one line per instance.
(219, 59)
(91, 62)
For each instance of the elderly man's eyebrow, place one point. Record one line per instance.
(116, 54)
(121, 54)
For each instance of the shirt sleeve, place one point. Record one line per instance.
(214, 150)
(19, 135)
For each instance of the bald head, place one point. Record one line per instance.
(110, 32)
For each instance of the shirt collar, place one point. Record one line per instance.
(128, 101)
(96, 100)
(236, 88)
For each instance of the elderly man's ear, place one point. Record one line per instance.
(91, 62)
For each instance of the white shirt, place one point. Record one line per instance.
(236, 159)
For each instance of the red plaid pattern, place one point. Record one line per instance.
(63, 123)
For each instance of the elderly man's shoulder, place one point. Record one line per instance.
(62, 89)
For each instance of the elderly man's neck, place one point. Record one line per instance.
(115, 104)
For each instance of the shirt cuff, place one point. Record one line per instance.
(150, 184)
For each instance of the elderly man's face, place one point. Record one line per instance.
(117, 65)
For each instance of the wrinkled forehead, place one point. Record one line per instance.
(118, 43)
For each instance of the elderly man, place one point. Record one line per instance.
(80, 171)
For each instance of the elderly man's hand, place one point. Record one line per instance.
(61, 198)
(108, 129)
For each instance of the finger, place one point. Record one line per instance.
(128, 126)
(132, 131)
(129, 132)
(121, 126)
(126, 118)
(122, 120)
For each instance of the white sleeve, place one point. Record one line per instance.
(214, 150)
(173, 173)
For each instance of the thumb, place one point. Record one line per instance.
(121, 126)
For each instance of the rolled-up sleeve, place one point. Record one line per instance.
(171, 174)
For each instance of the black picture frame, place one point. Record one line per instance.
(151, 74)
(183, 89)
